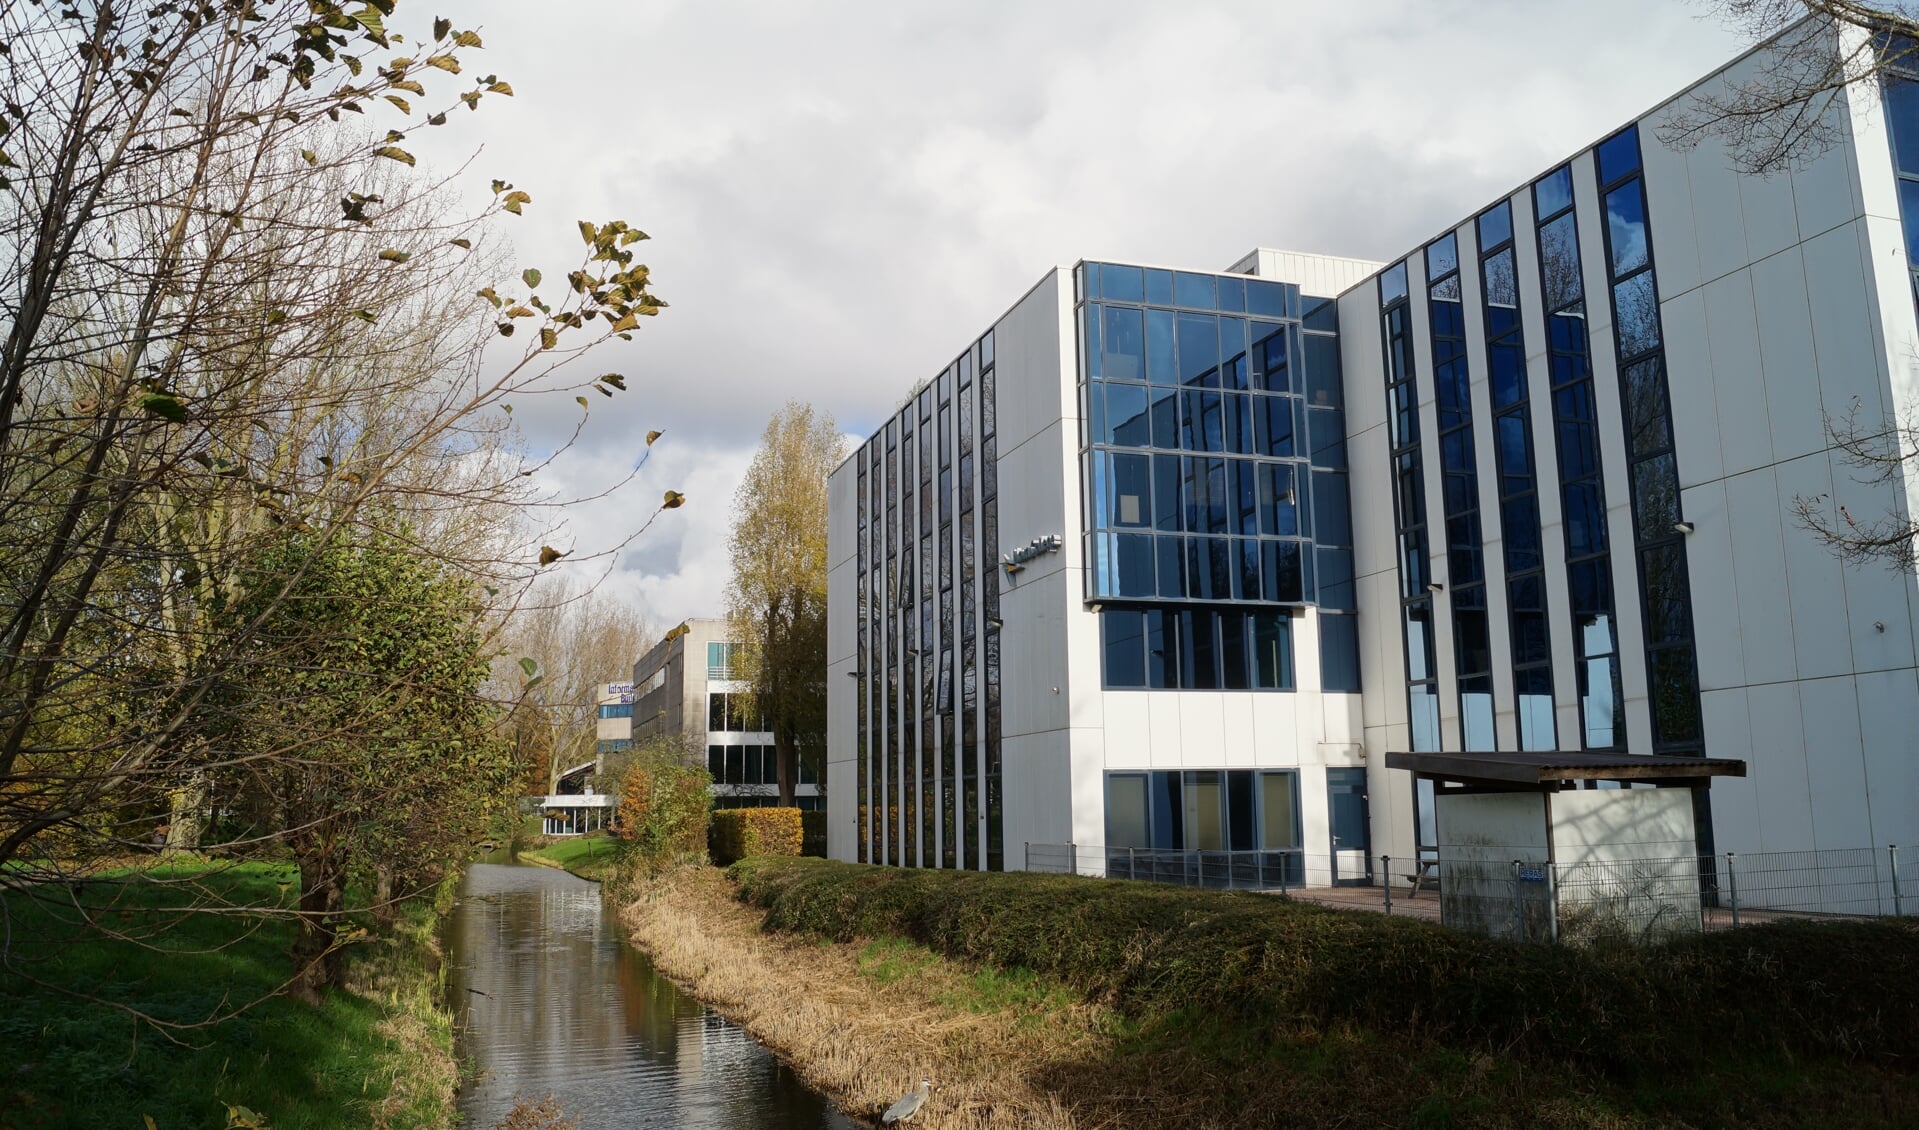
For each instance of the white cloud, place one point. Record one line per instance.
(844, 194)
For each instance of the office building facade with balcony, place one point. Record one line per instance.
(1173, 559)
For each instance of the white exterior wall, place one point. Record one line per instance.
(842, 765)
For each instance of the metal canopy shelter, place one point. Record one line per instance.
(1556, 768)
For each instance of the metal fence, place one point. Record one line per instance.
(1633, 900)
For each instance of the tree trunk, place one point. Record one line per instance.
(317, 960)
(187, 815)
(384, 908)
(785, 757)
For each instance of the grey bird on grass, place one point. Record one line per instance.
(909, 1106)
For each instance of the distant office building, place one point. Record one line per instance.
(1176, 559)
(705, 703)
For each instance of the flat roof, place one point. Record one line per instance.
(1545, 767)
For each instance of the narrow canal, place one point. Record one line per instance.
(552, 1000)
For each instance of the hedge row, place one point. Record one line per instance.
(1843, 988)
(742, 833)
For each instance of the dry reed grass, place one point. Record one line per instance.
(860, 1039)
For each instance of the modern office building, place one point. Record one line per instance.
(707, 705)
(1176, 559)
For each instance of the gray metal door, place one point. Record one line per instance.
(1351, 823)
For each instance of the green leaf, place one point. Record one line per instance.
(533, 682)
(614, 379)
(583, 402)
(527, 663)
(441, 27)
(311, 157)
(463, 244)
(164, 405)
(395, 153)
(531, 277)
(548, 337)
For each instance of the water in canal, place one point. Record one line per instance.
(551, 999)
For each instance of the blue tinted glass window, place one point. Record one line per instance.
(1161, 368)
(1332, 517)
(1088, 280)
(1336, 578)
(1166, 505)
(1328, 436)
(1442, 256)
(1322, 314)
(1124, 635)
(1232, 351)
(1495, 226)
(1626, 227)
(1559, 263)
(1520, 516)
(1618, 155)
(986, 351)
(1392, 284)
(1339, 654)
(1193, 290)
(1232, 294)
(1135, 552)
(1199, 349)
(1268, 298)
(1089, 339)
(1278, 505)
(1636, 306)
(1124, 354)
(1553, 193)
(1585, 518)
(1909, 208)
(1508, 374)
(1270, 368)
(1165, 417)
(1159, 287)
(1120, 284)
(1171, 552)
(1902, 113)
(1129, 490)
(1322, 370)
(1502, 284)
(1239, 425)
(1273, 426)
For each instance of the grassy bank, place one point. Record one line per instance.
(376, 1054)
(591, 856)
(1045, 1000)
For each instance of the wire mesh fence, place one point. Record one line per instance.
(1585, 902)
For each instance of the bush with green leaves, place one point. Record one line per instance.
(665, 804)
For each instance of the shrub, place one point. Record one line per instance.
(664, 805)
(742, 833)
(1160, 952)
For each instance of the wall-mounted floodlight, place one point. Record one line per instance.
(855, 673)
(1682, 527)
(1436, 586)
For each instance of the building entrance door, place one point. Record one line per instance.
(1351, 823)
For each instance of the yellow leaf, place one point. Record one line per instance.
(463, 244)
(626, 323)
(513, 201)
(583, 402)
(548, 555)
(468, 39)
(519, 312)
(394, 255)
(548, 338)
(674, 500)
(410, 87)
(395, 153)
(500, 88)
(311, 157)
(445, 62)
(587, 232)
(653, 435)
(405, 106)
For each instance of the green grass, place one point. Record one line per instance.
(382, 1049)
(592, 856)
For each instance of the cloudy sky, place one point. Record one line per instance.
(842, 195)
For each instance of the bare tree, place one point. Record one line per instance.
(1789, 107)
(776, 597)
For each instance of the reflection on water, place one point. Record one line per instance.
(552, 1000)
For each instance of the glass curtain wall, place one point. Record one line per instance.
(1518, 484)
(1666, 596)
(1409, 511)
(1332, 528)
(1582, 488)
(1901, 87)
(928, 739)
(1459, 494)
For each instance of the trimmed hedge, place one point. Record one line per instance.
(742, 833)
(1159, 952)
